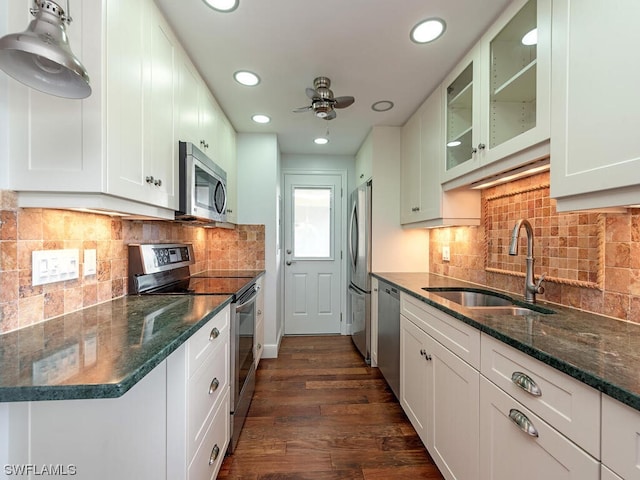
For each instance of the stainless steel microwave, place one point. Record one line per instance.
(202, 187)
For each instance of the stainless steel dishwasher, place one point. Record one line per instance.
(389, 335)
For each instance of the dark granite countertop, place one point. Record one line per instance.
(600, 351)
(100, 351)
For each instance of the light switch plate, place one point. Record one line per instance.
(446, 254)
(89, 262)
(50, 266)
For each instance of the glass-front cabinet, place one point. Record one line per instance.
(460, 118)
(498, 98)
(512, 94)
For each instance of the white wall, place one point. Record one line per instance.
(258, 203)
(4, 106)
(335, 164)
(394, 248)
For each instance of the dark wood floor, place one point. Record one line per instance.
(319, 412)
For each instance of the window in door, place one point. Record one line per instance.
(312, 233)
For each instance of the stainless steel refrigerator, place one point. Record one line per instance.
(360, 268)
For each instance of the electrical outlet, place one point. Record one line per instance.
(446, 254)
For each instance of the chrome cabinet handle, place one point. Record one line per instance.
(214, 454)
(149, 179)
(215, 333)
(215, 383)
(523, 423)
(423, 352)
(481, 146)
(157, 182)
(427, 357)
(526, 383)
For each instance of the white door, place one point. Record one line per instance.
(312, 241)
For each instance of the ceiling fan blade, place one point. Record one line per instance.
(343, 102)
(303, 109)
(331, 115)
(311, 93)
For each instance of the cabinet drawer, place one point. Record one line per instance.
(620, 438)
(507, 452)
(570, 406)
(206, 339)
(208, 384)
(460, 338)
(208, 459)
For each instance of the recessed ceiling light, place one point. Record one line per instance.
(382, 106)
(428, 30)
(245, 77)
(223, 5)
(531, 37)
(259, 118)
(455, 143)
(321, 141)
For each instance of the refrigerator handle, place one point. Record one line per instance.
(352, 254)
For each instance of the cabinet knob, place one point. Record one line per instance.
(214, 454)
(259, 312)
(481, 146)
(362, 175)
(427, 357)
(214, 334)
(423, 352)
(229, 210)
(149, 179)
(157, 182)
(215, 383)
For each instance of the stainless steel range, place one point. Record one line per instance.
(164, 269)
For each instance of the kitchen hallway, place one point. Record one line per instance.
(319, 412)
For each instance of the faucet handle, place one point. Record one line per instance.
(539, 287)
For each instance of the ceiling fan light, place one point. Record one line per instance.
(247, 78)
(260, 118)
(223, 5)
(41, 58)
(428, 30)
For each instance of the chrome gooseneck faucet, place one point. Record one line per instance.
(530, 288)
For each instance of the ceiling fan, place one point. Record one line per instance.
(323, 102)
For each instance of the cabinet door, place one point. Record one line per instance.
(508, 452)
(161, 86)
(516, 73)
(410, 170)
(125, 98)
(620, 433)
(595, 113)
(431, 157)
(54, 142)
(414, 383)
(461, 93)
(453, 404)
(188, 106)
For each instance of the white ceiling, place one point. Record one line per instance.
(363, 46)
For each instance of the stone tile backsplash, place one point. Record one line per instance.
(24, 230)
(592, 259)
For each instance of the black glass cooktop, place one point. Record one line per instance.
(206, 286)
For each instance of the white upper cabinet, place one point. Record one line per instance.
(423, 201)
(117, 149)
(497, 100)
(595, 152)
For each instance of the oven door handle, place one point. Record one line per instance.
(249, 300)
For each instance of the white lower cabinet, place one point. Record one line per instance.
(516, 443)
(98, 439)
(198, 428)
(439, 393)
(620, 439)
(606, 474)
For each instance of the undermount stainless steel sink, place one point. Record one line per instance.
(487, 302)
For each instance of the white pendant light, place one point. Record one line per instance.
(41, 58)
